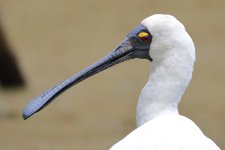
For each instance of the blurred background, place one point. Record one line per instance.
(53, 39)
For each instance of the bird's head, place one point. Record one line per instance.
(149, 41)
(169, 38)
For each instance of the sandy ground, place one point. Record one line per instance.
(54, 39)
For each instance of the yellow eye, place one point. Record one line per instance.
(143, 36)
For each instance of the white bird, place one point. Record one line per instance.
(163, 40)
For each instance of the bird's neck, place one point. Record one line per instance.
(162, 93)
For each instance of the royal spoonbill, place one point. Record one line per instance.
(163, 40)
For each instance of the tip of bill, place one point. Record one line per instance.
(30, 109)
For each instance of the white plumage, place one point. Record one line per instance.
(160, 127)
(166, 132)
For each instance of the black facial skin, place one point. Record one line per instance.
(142, 47)
(131, 47)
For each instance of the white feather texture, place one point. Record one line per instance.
(166, 132)
(173, 54)
(160, 127)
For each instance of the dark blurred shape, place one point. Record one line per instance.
(10, 74)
